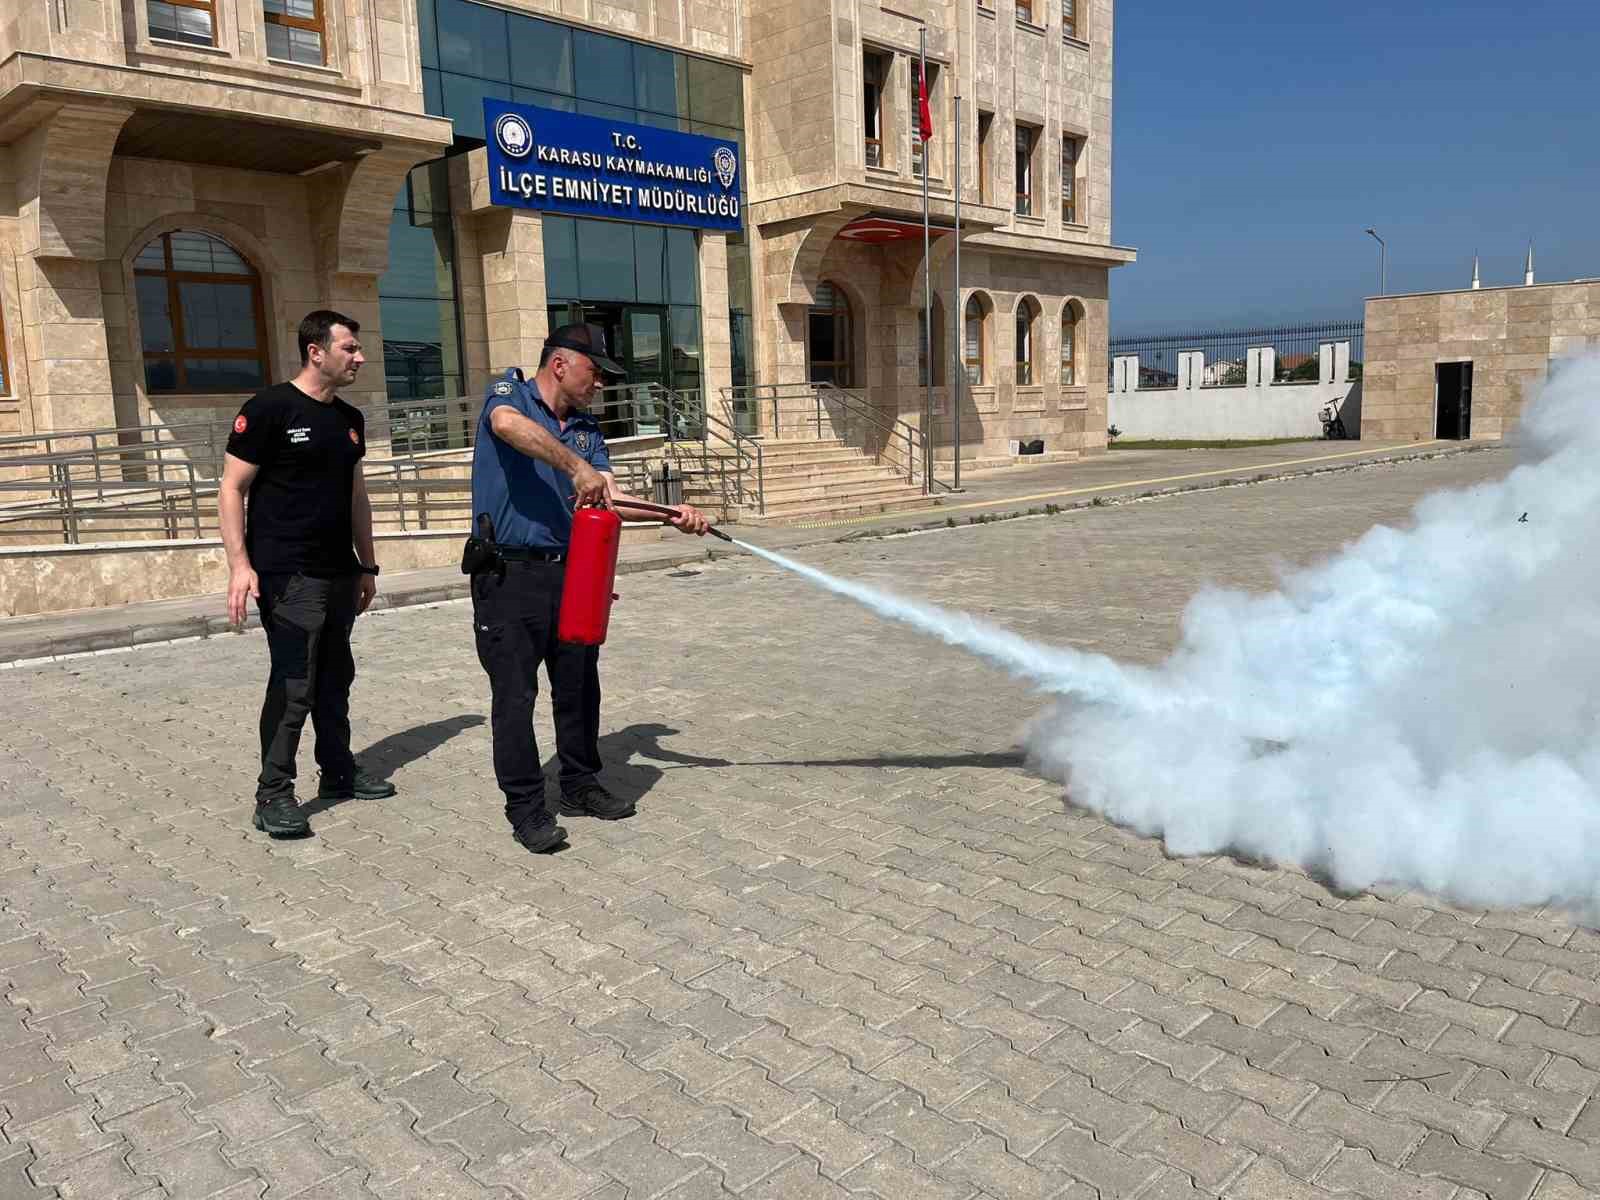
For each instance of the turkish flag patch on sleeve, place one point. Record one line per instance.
(239, 423)
(354, 439)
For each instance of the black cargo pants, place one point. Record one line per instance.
(307, 621)
(514, 619)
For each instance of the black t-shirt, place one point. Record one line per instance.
(298, 519)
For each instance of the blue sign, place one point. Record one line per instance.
(593, 167)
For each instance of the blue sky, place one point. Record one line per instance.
(1257, 139)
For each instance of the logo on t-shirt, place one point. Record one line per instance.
(299, 434)
(239, 423)
(354, 440)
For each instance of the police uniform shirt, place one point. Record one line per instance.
(299, 517)
(529, 501)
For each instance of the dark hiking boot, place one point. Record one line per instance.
(594, 801)
(541, 838)
(281, 817)
(361, 786)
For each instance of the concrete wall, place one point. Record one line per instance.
(1259, 409)
(1509, 334)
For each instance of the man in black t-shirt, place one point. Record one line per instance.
(305, 554)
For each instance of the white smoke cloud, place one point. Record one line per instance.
(1421, 710)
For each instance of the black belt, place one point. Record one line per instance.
(530, 554)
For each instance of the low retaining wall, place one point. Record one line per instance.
(46, 579)
(1256, 410)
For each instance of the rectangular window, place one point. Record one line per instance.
(917, 147)
(1069, 18)
(1025, 11)
(1069, 180)
(874, 72)
(985, 186)
(295, 31)
(1024, 171)
(191, 21)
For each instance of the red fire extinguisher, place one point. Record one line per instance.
(586, 594)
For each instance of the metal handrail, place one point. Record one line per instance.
(687, 415)
(135, 484)
(817, 396)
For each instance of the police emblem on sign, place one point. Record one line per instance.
(513, 135)
(726, 164)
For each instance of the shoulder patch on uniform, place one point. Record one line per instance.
(583, 439)
(240, 424)
(502, 388)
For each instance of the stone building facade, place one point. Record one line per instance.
(180, 180)
(1460, 364)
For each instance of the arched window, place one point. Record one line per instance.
(201, 320)
(975, 337)
(829, 338)
(938, 345)
(1070, 315)
(1027, 336)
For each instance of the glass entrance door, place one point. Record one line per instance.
(644, 347)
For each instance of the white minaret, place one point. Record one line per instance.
(1477, 282)
(1527, 268)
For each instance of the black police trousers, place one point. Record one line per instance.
(307, 621)
(514, 617)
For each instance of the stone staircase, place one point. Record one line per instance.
(820, 479)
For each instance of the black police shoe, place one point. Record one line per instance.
(281, 817)
(361, 786)
(541, 838)
(593, 800)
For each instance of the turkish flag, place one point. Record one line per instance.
(924, 116)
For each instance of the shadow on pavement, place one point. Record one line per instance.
(389, 754)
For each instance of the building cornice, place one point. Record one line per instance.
(29, 83)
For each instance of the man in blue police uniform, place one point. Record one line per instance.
(538, 451)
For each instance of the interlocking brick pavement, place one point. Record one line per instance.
(848, 947)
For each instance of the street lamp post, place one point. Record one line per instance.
(1383, 264)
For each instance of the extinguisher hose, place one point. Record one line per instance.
(648, 511)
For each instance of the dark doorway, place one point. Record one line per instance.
(1453, 388)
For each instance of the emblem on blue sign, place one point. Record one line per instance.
(514, 135)
(726, 165)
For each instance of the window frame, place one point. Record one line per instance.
(180, 349)
(1069, 178)
(1025, 11)
(1070, 23)
(1025, 135)
(969, 359)
(1026, 331)
(842, 314)
(318, 26)
(985, 180)
(208, 7)
(876, 67)
(1069, 345)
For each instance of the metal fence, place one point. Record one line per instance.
(1225, 350)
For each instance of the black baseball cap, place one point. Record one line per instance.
(586, 339)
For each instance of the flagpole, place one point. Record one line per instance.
(960, 376)
(927, 272)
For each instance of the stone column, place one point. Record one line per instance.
(62, 166)
(509, 245)
(716, 339)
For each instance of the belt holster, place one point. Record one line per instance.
(481, 553)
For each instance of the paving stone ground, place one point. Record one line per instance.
(848, 947)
